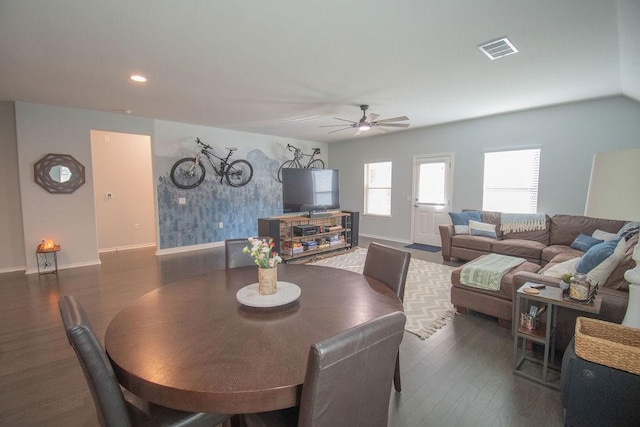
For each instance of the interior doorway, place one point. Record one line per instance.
(123, 190)
(432, 189)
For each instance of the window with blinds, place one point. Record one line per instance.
(511, 181)
(377, 188)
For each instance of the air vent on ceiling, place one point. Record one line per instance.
(498, 48)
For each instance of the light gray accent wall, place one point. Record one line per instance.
(568, 135)
(68, 219)
(12, 247)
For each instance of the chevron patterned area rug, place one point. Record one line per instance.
(427, 302)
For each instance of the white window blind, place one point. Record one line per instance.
(377, 188)
(511, 181)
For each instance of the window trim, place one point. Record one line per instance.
(366, 187)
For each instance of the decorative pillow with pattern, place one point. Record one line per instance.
(629, 230)
(477, 228)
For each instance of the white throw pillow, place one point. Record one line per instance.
(461, 229)
(560, 269)
(603, 235)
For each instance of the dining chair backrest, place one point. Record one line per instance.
(349, 375)
(388, 265)
(101, 379)
(114, 407)
(233, 255)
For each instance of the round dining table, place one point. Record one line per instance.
(191, 345)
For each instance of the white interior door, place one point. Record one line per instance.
(432, 184)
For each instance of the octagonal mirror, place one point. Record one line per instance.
(59, 173)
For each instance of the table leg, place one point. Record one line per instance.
(547, 347)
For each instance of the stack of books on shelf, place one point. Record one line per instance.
(336, 240)
(309, 245)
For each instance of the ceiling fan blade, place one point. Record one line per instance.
(338, 130)
(371, 117)
(332, 126)
(345, 120)
(393, 125)
(395, 119)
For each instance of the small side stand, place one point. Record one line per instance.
(45, 265)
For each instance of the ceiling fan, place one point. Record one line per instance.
(369, 121)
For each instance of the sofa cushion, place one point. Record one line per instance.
(528, 249)
(491, 217)
(541, 236)
(597, 254)
(478, 243)
(584, 243)
(550, 252)
(477, 228)
(506, 284)
(598, 275)
(565, 228)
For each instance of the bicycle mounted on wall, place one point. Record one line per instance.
(297, 163)
(189, 172)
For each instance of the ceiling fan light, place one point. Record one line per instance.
(364, 127)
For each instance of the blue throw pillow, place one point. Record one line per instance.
(462, 218)
(584, 243)
(594, 256)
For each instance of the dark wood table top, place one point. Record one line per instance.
(191, 345)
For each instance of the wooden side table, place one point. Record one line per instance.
(44, 263)
(545, 334)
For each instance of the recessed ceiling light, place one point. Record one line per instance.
(138, 78)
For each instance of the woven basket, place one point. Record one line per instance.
(608, 344)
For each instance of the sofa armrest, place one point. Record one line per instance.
(521, 277)
(446, 233)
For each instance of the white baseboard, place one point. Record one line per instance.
(13, 269)
(67, 266)
(191, 248)
(390, 239)
(125, 248)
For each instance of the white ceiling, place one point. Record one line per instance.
(285, 67)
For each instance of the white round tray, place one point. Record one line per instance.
(286, 293)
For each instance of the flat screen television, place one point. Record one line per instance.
(308, 190)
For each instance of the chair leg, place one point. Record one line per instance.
(396, 376)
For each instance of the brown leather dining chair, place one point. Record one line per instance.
(348, 379)
(233, 255)
(116, 406)
(389, 266)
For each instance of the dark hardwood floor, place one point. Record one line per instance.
(460, 376)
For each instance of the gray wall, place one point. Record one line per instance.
(568, 136)
(68, 219)
(12, 248)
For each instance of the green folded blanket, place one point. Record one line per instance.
(487, 272)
